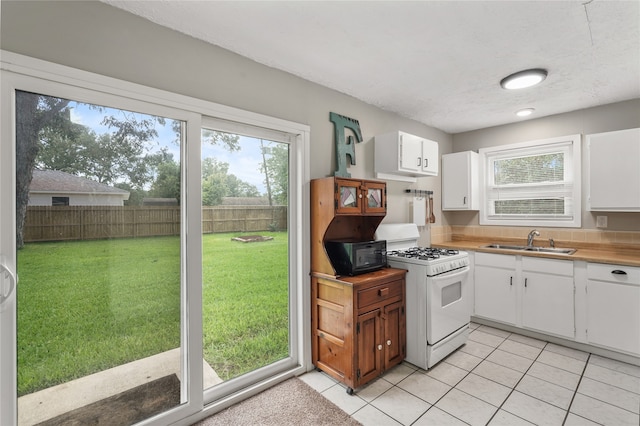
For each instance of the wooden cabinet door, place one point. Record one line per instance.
(394, 334)
(369, 356)
(375, 194)
(348, 196)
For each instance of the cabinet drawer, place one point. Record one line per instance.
(505, 261)
(379, 293)
(604, 272)
(548, 266)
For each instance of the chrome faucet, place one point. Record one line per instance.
(532, 234)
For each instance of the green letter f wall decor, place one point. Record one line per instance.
(344, 148)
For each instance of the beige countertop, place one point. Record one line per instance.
(602, 253)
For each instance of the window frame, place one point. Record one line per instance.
(571, 147)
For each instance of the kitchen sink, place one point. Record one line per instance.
(552, 250)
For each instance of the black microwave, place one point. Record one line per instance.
(353, 258)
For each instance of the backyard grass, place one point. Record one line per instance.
(88, 306)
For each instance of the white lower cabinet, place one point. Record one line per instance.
(527, 292)
(613, 307)
(495, 289)
(548, 296)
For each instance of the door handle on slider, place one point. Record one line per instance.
(379, 347)
(6, 273)
(388, 342)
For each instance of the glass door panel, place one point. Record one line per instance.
(98, 194)
(245, 255)
(348, 196)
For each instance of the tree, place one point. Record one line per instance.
(275, 167)
(34, 113)
(46, 137)
(218, 183)
(229, 141)
(167, 183)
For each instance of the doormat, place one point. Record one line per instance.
(125, 408)
(252, 238)
(290, 403)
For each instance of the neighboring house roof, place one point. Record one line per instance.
(57, 181)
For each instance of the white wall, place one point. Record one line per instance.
(618, 116)
(98, 38)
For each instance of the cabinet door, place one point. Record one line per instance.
(430, 157)
(460, 181)
(369, 357)
(548, 304)
(495, 291)
(614, 175)
(394, 334)
(613, 315)
(348, 197)
(455, 182)
(410, 153)
(376, 197)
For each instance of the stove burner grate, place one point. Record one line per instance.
(423, 253)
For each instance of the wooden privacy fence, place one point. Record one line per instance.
(98, 222)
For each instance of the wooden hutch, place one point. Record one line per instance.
(358, 322)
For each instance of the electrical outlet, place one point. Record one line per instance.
(601, 221)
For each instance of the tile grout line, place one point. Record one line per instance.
(586, 364)
(465, 376)
(513, 389)
(544, 348)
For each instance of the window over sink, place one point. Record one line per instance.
(534, 183)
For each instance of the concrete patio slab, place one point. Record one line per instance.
(51, 402)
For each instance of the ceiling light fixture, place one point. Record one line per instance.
(523, 79)
(525, 112)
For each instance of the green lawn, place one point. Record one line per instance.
(87, 306)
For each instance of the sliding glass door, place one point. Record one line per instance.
(152, 257)
(247, 291)
(93, 198)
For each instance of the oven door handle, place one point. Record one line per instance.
(454, 274)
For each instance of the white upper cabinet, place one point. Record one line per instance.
(614, 171)
(460, 181)
(402, 154)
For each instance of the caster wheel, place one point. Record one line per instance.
(349, 391)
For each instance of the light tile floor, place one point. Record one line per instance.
(497, 378)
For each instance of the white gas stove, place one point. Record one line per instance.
(438, 302)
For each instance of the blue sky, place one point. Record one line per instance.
(244, 164)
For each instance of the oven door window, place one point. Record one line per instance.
(451, 293)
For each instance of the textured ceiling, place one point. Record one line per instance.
(437, 62)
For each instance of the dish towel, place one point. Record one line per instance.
(419, 211)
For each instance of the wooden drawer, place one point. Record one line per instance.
(385, 292)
